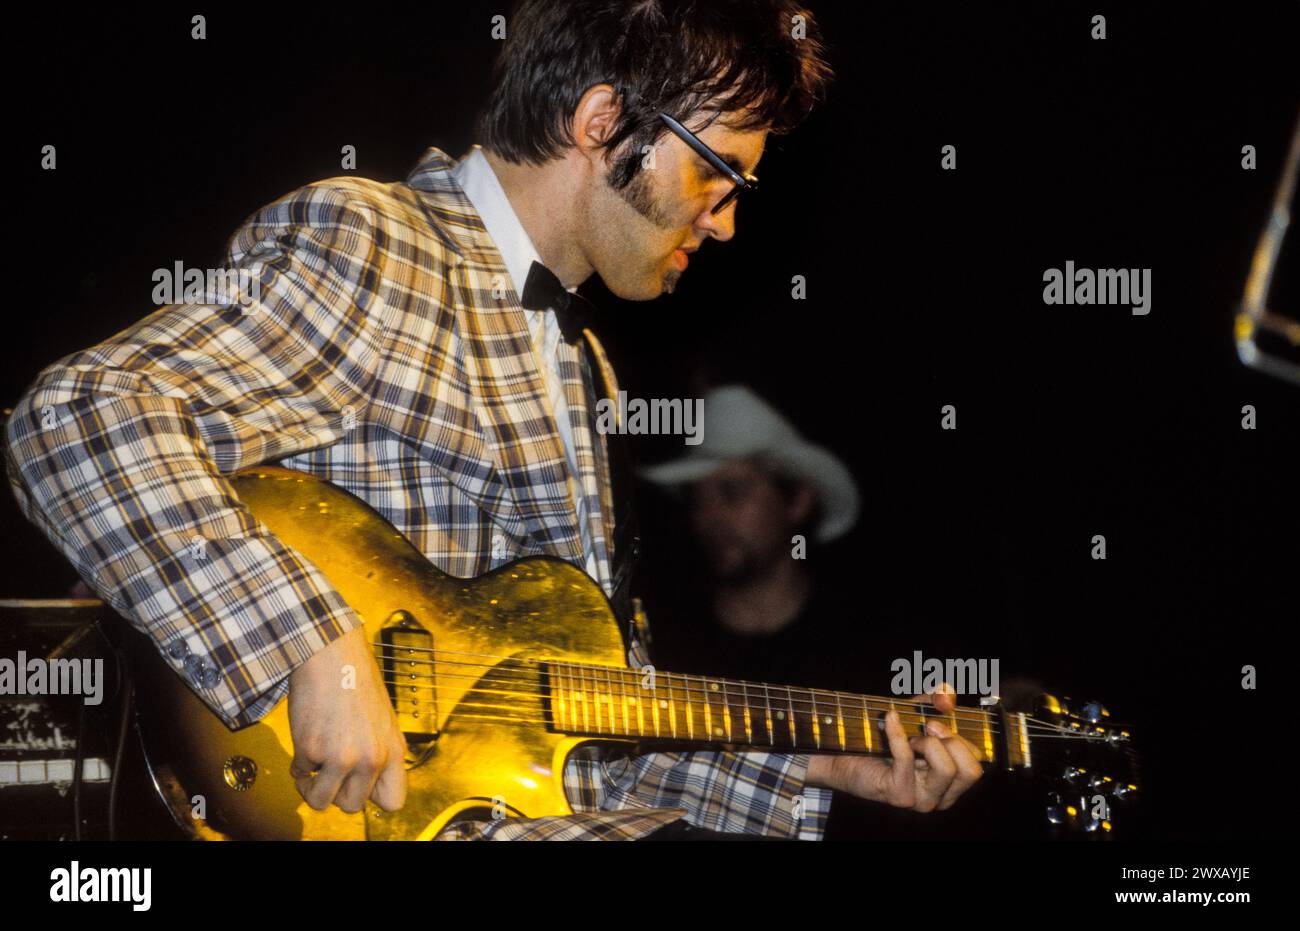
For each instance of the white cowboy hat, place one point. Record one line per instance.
(738, 424)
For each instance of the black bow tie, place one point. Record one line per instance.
(573, 311)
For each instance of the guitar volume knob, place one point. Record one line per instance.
(239, 772)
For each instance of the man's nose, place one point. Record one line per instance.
(708, 511)
(721, 226)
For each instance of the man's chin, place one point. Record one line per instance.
(731, 569)
(641, 290)
(647, 288)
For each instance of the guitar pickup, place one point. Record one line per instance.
(406, 659)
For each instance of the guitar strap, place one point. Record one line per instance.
(627, 536)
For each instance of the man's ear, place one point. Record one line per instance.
(594, 121)
(801, 503)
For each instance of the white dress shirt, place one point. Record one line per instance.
(479, 182)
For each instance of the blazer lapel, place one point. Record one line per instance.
(501, 366)
(593, 479)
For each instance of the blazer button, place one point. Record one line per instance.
(202, 672)
(194, 668)
(178, 649)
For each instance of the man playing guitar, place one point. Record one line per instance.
(405, 344)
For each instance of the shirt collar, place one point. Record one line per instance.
(476, 178)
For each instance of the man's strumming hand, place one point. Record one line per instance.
(345, 729)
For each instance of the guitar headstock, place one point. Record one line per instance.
(1088, 763)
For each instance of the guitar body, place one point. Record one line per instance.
(488, 634)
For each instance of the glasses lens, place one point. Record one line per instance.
(727, 199)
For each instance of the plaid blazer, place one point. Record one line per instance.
(386, 352)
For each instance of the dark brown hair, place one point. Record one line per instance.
(674, 56)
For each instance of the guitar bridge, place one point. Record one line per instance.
(406, 659)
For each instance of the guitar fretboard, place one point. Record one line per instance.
(613, 702)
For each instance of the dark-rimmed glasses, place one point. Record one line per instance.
(745, 182)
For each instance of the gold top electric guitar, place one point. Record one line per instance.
(496, 680)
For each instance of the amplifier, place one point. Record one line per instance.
(39, 732)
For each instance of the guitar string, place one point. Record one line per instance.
(906, 718)
(624, 673)
(404, 679)
(984, 758)
(683, 732)
(985, 755)
(968, 714)
(640, 728)
(974, 717)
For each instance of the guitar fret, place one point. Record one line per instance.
(654, 703)
(767, 707)
(672, 707)
(612, 726)
(566, 696)
(622, 687)
(708, 708)
(609, 678)
(794, 737)
(711, 729)
(749, 731)
(584, 690)
(573, 698)
(610, 705)
(595, 692)
(557, 695)
(866, 724)
(581, 674)
(640, 707)
(566, 683)
(559, 689)
(620, 698)
(566, 680)
(690, 709)
(839, 722)
(816, 724)
(598, 699)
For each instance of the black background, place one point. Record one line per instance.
(924, 289)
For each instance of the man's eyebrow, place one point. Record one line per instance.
(733, 163)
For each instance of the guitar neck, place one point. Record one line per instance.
(673, 707)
